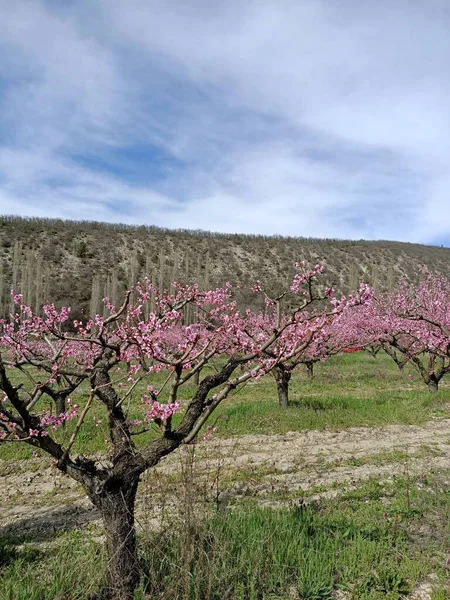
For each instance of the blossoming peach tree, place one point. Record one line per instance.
(314, 336)
(425, 326)
(412, 325)
(45, 359)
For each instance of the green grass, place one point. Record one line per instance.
(347, 391)
(378, 541)
(351, 390)
(261, 553)
(72, 568)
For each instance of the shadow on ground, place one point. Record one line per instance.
(46, 523)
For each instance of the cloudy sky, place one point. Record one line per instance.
(327, 118)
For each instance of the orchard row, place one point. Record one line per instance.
(47, 357)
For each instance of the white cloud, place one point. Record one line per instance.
(312, 118)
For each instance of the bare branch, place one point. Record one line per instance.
(73, 437)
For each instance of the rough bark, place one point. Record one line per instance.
(282, 378)
(401, 358)
(433, 385)
(430, 374)
(309, 369)
(116, 503)
(373, 349)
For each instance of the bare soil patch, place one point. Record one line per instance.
(36, 499)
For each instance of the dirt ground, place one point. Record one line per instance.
(36, 497)
(37, 500)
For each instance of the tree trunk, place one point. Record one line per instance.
(309, 369)
(373, 350)
(60, 405)
(433, 385)
(116, 504)
(282, 377)
(197, 377)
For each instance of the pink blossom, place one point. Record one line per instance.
(161, 411)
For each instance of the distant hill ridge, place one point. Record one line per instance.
(77, 263)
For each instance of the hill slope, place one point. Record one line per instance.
(77, 263)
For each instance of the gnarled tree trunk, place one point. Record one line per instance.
(116, 503)
(282, 377)
(399, 358)
(433, 384)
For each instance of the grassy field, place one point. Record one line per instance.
(371, 539)
(378, 541)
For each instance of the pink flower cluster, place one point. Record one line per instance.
(37, 433)
(161, 411)
(132, 423)
(304, 276)
(55, 421)
(210, 429)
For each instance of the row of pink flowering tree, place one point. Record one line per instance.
(425, 341)
(411, 324)
(45, 359)
(313, 337)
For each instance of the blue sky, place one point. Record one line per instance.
(306, 117)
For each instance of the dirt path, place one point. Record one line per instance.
(37, 499)
(312, 459)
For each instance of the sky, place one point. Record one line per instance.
(323, 118)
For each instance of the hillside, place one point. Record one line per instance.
(78, 263)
